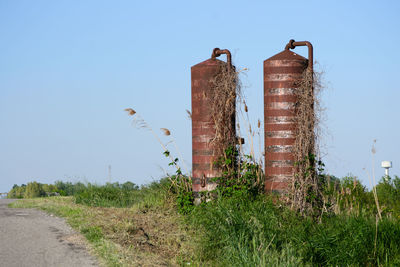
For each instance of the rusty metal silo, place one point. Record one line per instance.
(281, 75)
(204, 153)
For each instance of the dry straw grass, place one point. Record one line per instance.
(308, 114)
(225, 90)
(165, 131)
(147, 236)
(227, 103)
(373, 180)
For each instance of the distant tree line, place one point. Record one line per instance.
(60, 188)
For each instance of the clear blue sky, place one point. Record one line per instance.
(69, 68)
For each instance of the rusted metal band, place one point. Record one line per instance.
(203, 166)
(280, 98)
(282, 91)
(279, 163)
(279, 141)
(292, 44)
(208, 173)
(280, 119)
(203, 130)
(279, 148)
(202, 138)
(279, 156)
(197, 146)
(279, 84)
(280, 105)
(271, 69)
(277, 112)
(280, 134)
(203, 152)
(280, 127)
(203, 124)
(288, 170)
(204, 159)
(277, 77)
(217, 52)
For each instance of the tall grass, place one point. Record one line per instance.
(239, 232)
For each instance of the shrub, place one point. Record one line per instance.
(34, 189)
(68, 188)
(123, 195)
(241, 175)
(109, 195)
(388, 191)
(17, 191)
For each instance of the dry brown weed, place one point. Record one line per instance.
(224, 92)
(304, 191)
(148, 236)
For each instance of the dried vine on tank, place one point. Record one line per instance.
(304, 191)
(224, 94)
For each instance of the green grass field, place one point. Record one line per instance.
(143, 227)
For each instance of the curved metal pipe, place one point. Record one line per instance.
(217, 52)
(292, 44)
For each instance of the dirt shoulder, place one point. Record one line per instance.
(31, 237)
(138, 236)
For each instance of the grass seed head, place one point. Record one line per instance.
(166, 131)
(130, 111)
(189, 114)
(246, 109)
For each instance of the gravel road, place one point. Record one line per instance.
(30, 237)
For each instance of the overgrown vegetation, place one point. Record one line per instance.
(239, 231)
(239, 228)
(241, 176)
(328, 222)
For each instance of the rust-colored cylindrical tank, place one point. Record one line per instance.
(204, 153)
(281, 72)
